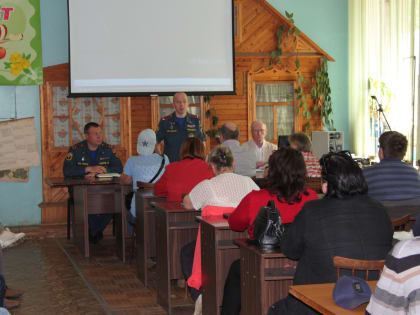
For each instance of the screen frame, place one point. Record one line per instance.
(163, 93)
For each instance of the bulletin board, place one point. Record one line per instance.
(20, 43)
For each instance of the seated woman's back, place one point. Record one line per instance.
(180, 177)
(286, 186)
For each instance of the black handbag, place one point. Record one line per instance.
(267, 226)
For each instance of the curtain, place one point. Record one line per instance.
(381, 47)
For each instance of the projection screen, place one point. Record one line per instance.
(130, 47)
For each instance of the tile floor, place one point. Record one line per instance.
(56, 278)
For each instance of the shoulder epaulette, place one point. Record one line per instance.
(167, 117)
(193, 116)
(106, 145)
(78, 145)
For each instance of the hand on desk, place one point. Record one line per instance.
(260, 164)
(95, 169)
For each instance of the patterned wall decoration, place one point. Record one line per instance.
(71, 114)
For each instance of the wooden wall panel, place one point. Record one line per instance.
(140, 118)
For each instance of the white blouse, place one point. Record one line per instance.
(224, 190)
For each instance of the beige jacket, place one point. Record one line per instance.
(268, 148)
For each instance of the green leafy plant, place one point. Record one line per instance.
(320, 91)
(321, 94)
(214, 119)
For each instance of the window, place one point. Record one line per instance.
(71, 114)
(275, 107)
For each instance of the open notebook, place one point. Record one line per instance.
(106, 175)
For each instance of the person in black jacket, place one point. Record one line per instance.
(346, 222)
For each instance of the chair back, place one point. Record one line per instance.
(357, 264)
(400, 224)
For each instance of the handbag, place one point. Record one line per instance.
(267, 226)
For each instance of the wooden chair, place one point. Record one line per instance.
(400, 224)
(357, 264)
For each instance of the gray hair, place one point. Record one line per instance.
(221, 157)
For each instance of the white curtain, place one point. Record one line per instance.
(381, 47)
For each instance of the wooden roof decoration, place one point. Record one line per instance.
(257, 23)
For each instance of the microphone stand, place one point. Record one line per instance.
(380, 111)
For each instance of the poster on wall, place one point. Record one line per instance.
(20, 43)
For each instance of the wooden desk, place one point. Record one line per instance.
(265, 278)
(95, 196)
(218, 251)
(320, 297)
(145, 231)
(175, 227)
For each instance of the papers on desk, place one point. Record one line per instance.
(108, 175)
(403, 235)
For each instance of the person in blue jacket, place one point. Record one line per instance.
(175, 128)
(87, 159)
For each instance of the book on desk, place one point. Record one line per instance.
(108, 175)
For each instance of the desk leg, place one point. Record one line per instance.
(141, 243)
(81, 228)
(121, 221)
(162, 260)
(210, 277)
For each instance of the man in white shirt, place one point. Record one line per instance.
(262, 149)
(245, 160)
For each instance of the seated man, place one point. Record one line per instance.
(87, 159)
(392, 181)
(263, 149)
(147, 167)
(246, 161)
(397, 291)
(301, 142)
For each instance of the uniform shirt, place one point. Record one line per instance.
(174, 134)
(244, 215)
(397, 291)
(143, 168)
(224, 190)
(79, 157)
(245, 159)
(180, 177)
(392, 179)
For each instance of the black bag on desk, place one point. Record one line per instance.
(267, 226)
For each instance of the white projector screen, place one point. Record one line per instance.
(131, 47)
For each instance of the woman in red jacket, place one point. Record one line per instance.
(181, 177)
(286, 186)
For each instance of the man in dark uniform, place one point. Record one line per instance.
(86, 159)
(175, 128)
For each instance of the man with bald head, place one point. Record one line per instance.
(175, 128)
(245, 160)
(262, 149)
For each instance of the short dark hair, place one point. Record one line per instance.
(221, 157)
(88, 125)
(286, 175)
(302, 141)
(229, 134)
(193, 148)
(343, 175)
(393, 144)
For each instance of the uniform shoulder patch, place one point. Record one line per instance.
(106, 145)
(167, 117)
(78, 145)
(69, 156)
(194, 116)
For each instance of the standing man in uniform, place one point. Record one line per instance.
(86, 159)
(175, 128)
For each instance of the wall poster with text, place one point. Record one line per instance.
(20, 43)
